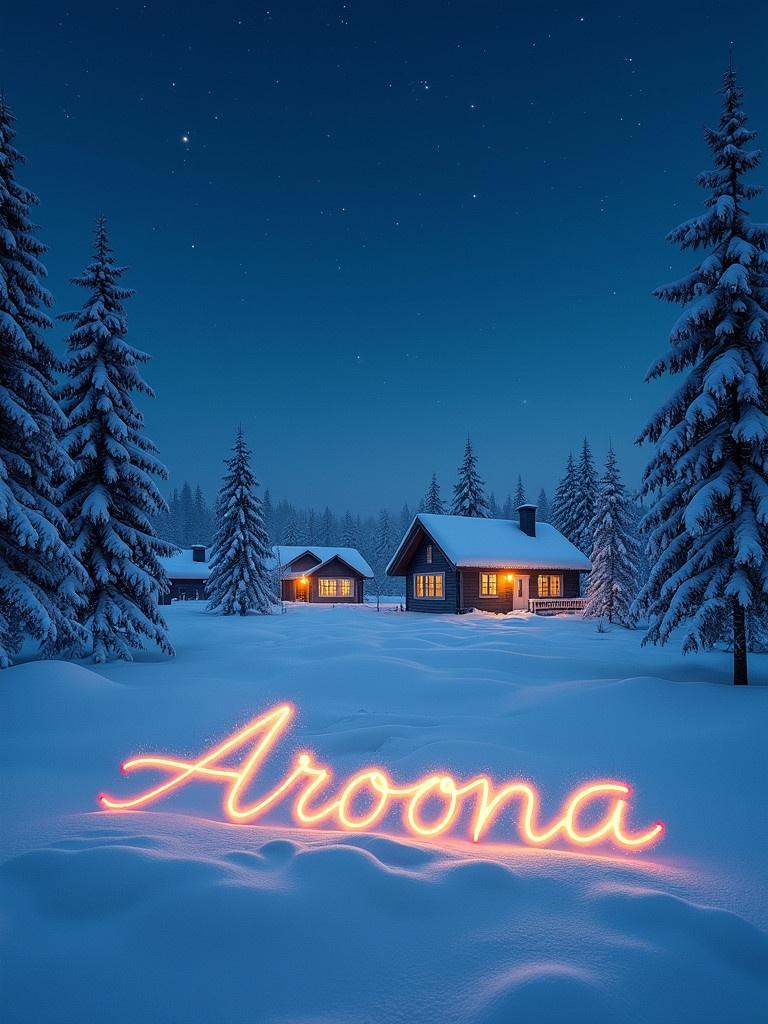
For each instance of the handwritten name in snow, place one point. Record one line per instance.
(431, 806)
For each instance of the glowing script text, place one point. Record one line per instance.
(430, 806)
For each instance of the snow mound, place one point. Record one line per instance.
(294, 929)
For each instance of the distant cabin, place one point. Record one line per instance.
(324, 575)
(187, 574)
(457, 563)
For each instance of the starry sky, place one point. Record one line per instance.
(366, 229)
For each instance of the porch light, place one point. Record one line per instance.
(510, 577)
(303, 581)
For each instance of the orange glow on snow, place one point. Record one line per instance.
(365, 799)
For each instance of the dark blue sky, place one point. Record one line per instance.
(365, 229)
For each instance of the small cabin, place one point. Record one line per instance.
(321, 575)
(457, 563)
(187, 573)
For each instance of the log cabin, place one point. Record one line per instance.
(321, 575)
(187, 573)
(457, 563)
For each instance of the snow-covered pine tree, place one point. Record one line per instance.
(433, 503)
(111, 501)
(384, 549)
(507, 510)
(469, 492)
(708, 525)
(406, 517)
(520, 498)
(186, 516)
(174, 518)
(269, 516)
(313, 533)
(328, 528)
(240, 581)
(614, 581)
(40, 579)
(291, 529)
(564, 514)
(586, 498)
(542, 505)
(348, 531)
(201, 518)
(493, 507)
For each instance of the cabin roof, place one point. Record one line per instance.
(489, 544)
(182, 567)
(288, 553)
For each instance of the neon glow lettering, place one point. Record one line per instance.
(307, 782)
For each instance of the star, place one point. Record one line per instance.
(185, 139)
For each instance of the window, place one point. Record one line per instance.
(429, 585)
(519, 586)
(429, 554)
(550, 586)
(326, 587)
(345, 588)
(488, 585)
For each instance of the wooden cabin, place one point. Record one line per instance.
(457, 563)
(321, 575)
(187, 574)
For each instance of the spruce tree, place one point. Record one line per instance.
(564, 511)
(201, 518)
(433, 503)
(493, 507)
(508, 509)
(586, 498)
(111, 501)
(312, 530)
(348, 531)
(186, 516)
(40, 579)
(613, 583)
(328, 528)
(469, 493)
(708, 477)
(291, 535)
(240, 581)
(269, 516)
(384, 549)
(542, 506)
(520, 498)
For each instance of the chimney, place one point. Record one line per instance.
(527, 514)
(198, 552)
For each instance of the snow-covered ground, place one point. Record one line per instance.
(169, 915)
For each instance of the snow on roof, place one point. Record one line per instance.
(182, 566)
(290, 552)
(496, 543)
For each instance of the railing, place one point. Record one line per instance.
(556, 604)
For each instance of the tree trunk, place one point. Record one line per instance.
(739, 645)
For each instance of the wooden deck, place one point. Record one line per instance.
(556, 604)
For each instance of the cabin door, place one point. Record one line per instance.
(520, 593)
(302, 589)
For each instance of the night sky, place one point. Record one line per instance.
(366, 229)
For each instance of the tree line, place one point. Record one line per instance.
(80, 547)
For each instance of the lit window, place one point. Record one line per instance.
(488, 587)
(345, 588)
(550, 586)
(428, 585)
(326, 587)
(429, 554)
